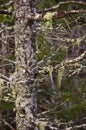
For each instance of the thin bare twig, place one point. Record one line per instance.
(7, 4)
(76, 127)
(72, 61)
(6, 123)
(5, 65)
(4, 77)
(60, 4)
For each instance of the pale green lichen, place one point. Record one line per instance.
(48, 18)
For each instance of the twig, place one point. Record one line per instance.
(7, 4)
(10, 61)
(68, 62)
(68, 40)
(76, 59)
(76, 127)
(56, 14)
(62, 14)
(60, 4)
(5, 12)
(48, 111)
(6, 123)
(4, 77)
(5, 65)
(52, 127)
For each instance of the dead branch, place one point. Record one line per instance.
(62, 14)
(5, 12)
(76, 127)
(60, 4)
(72, 61)
(6, 65)
(6, 123)
(56, 14)
(10, 61)
(76, 59)
(4, 77)
(7, 4)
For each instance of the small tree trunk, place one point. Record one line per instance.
(5, 46)
(25, 84)
(4, 51)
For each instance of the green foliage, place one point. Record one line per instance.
(3, 1)
(73, 112)
(60, 55)
(11, 57)
(45, 4)
(7, 19)
(43, 49)
(7, 106)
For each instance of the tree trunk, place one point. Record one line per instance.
(3, 52)
(25, 49)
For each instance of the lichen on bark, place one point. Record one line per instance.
(25, 49)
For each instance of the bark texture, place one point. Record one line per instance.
(3, 45)
(25, 49)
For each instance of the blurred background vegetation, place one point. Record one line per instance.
(61, 87)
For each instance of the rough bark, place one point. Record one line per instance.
(25, 49)
(2, 70)
(5, 48)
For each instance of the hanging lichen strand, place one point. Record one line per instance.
(24, 83)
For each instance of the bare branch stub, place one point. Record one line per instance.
(5, 12)
(4, 77)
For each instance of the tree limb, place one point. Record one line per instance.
(72, 61)
(76, 59)
(56, 14)
(60, 4)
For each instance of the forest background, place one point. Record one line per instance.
(61, 63)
